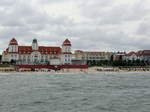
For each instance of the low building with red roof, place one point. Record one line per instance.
(131, 56)
(145, 55)
(139, 55)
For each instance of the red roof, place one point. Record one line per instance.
(146, 52)
(13, 42)
(49, 50)
(42, 50)
(6, 52)
(139, 53)
(25, 49)
(67, 42)
(131, 53)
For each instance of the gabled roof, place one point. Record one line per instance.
(67, 42)
(6, 51)
(131, 53)
(144, 52)
(13, 41)
(139, 53)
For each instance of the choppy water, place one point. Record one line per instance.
(102, 92)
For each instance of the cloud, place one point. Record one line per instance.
(109, 25)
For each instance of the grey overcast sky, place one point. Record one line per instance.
(100, 25)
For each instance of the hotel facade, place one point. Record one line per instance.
(36, 54)
(48, 55)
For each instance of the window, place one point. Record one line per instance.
(46, 58)
(24, 58)
(28, 59)
(35, 56)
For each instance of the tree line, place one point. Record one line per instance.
(118, 63)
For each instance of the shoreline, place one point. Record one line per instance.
(15, 72)
(95, 69)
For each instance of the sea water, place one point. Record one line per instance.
(75, 92)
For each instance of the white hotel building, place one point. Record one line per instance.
(36, 54)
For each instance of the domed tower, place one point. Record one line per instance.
(35, 45)
(66, 52)
(13, 50)
(13, 46)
